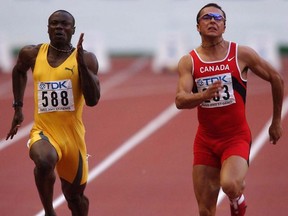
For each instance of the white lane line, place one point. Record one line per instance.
(127, 146)
(150, 128)
(260, 140)
(120, 77)
(124, 74)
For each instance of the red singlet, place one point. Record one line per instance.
(223, 130)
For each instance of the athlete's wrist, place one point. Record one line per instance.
(17, 104)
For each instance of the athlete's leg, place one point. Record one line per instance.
(206, 180)
(45, 158)
(78, 203)
(233, 172)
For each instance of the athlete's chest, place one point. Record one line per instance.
(57, 60)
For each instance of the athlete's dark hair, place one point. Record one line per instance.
(210, 5)
(63, 11)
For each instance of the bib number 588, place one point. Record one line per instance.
(53, 98)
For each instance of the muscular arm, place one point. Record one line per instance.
(88, 69)
(249, 58)
(185, 99)
(25, 61)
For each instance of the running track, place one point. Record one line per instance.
(141, 150)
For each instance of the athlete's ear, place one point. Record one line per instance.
(198, 28)
(73, 30)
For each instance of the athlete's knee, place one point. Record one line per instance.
(77, 200)
(78, 204)
(233, 188)
(44, 162)
(44, 165)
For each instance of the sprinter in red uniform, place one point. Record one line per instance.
(212, 78)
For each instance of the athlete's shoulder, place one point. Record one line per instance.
(29, 50)
(247, 54)
(27, 56)
(185, 60)
(246, 50)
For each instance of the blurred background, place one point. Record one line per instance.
(161, 29)
(138, 44)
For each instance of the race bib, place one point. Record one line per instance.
(55, 96)
(226, 96)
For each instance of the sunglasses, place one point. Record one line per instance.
(209, 16)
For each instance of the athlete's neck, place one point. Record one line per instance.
(62, 50)
(214, 44)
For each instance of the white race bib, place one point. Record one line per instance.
(55, 96)
(226, 96)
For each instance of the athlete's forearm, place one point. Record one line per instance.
(188, 101)
(90, 85)
(277, 86)
(185, 100)
(19, 81)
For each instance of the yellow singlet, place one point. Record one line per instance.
(58, 114)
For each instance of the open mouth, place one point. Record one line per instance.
(59, 34)
(212, 28)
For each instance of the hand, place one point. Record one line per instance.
(80, 57)
(80, 47)
(16, 123)
(80, 41)
(213, 90)
(275, 132)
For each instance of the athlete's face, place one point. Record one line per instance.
(211, 22)
(61, 27)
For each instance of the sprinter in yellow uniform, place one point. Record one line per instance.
(64, 79)
(58, 103)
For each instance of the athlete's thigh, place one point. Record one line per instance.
(42, 150)
(234, 169)
(206, 181)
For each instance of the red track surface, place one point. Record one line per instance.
(154, 177)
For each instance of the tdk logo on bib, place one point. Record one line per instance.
(53, 85)
(206, 81)
(56, 95)
(226, 93)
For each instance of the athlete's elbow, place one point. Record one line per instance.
(182, 103)
(280, 80)
(92, 101)
(179, 103)
(91, 104)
